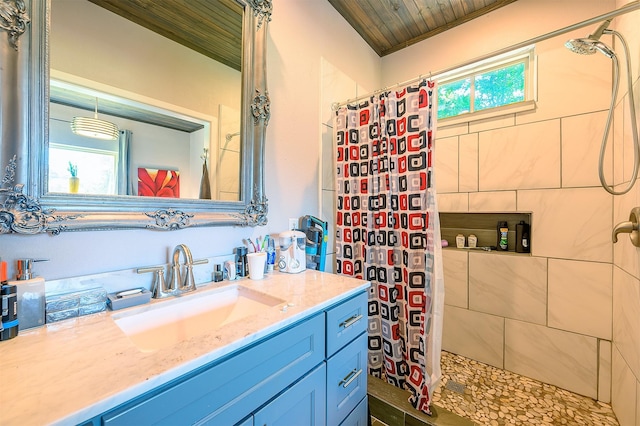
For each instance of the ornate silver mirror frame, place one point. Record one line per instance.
(24, 100)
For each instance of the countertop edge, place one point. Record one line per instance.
(167, 376)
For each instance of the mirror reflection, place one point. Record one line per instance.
(176, 110)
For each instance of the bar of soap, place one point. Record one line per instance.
(135, 299)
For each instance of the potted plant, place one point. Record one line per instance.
(74, 180)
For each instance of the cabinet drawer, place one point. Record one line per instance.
(359, 416)
(230, 389)
(345, 322)
(346, 380)
(301, 404)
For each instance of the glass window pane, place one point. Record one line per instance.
(454, 98)
(101, 180)
(499, 87)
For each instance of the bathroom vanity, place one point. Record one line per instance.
(300, 360)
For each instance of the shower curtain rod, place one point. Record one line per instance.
(624, 9)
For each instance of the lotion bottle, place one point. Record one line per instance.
(30, 295)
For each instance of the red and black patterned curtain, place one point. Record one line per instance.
(388, 232)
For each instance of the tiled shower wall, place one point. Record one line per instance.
(568, 313)
(547, 315)
(625, 393)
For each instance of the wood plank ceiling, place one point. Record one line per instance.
(391, 25)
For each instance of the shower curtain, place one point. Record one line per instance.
(388, 232)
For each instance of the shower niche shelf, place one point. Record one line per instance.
(484, 227)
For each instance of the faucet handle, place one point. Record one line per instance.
(158, 286)
(189, 283)
(630, 227)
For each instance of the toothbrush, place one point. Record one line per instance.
(255, 249)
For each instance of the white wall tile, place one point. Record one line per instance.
(453, 202)
(580, 297)
(567, 83)
(617, 132)
(492, 201)
(468, 174)
(492, 123)
(569, 223)
(444, 131)
(626, 318)
(625, 255)
(509, 286)
(637, 401)
(581, 140)
(483, 341)
(627, 136)
(446, 164)
(624, 390)
(456, 277)
(561, 358)
(520, 157)
(604, 371)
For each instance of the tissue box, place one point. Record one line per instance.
(116, 302)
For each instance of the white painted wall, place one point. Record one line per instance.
(301, 33)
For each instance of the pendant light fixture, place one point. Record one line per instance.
(93, 127)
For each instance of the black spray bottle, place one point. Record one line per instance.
(523, 237)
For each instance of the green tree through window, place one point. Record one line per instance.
(503, 86)
(490, 84)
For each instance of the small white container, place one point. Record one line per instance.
(460, 240)
(257, 263)
(473, 241)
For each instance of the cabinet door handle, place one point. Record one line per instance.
(353, 374)
(350, 321)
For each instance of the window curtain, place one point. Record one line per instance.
(123, 167)
(388, 232)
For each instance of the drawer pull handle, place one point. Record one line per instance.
(350, 321)
(353, 374)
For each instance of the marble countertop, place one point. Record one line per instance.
(68, 372)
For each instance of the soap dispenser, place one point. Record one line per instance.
(30, 295)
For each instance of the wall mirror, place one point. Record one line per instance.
(184, 86)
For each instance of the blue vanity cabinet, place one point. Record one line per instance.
(302, 404)
(289, 377)
(346, 380)
(347, 362)
(226, 391)
(345, 322)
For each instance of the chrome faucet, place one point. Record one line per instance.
(177, 284)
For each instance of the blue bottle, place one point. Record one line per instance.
(271, 254)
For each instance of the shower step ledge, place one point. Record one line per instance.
(388, 403)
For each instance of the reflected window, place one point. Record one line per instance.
(96, 169)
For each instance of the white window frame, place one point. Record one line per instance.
(525, 54)
(107, 152)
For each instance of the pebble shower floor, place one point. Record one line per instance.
(497, 397)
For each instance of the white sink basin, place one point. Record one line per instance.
(181, 318)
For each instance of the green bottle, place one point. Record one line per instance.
(503, 230)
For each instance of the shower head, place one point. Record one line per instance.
(589, 45)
